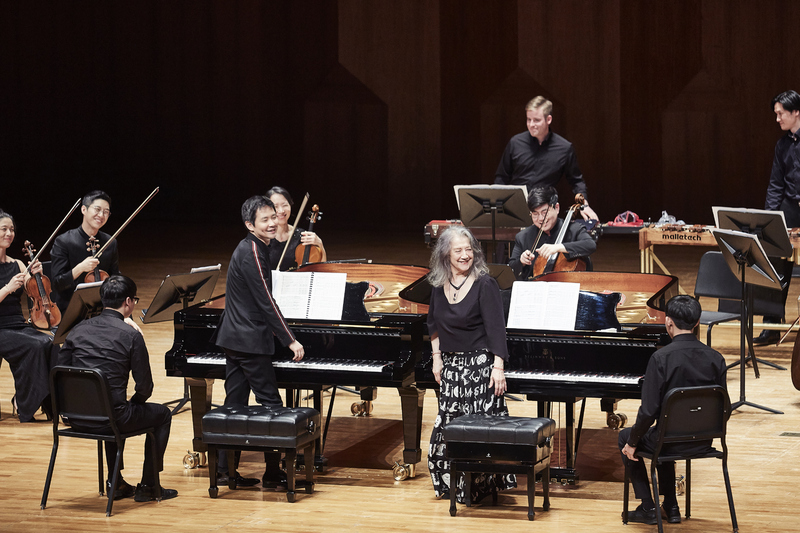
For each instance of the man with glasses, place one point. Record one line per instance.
(543, 204)
(71, 259)
(106, 343)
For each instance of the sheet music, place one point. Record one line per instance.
(543, 305)
(312, 295)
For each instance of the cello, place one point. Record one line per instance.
(44, 313)
(558, 262)
(309, 253)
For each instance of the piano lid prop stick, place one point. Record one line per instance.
(100, 251)
(291, 231)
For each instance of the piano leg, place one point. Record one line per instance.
(567, 473)
(200, 391)
(411, 402)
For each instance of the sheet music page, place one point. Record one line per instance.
(543, 305)
(313, 295)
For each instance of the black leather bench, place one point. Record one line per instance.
(500, 444)
(259, 428)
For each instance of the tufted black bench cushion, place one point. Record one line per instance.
(483, 443)
(259, 428)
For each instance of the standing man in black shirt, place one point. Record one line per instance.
(539, 157)
(248, 328)
(71, 260)
(685, 362)
(544, 206)
(783, 192)
(107, 343)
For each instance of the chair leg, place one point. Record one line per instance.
(49, 473)
(308, 457)
(453, 487)
(656, 499)
(546, 487)
(115, 476)
(708, 335)
(625, 494)
(100, 468)
(730, 494)
(531, 491)
(213, 490)
(291, 456)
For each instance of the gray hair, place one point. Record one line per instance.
(440, 257)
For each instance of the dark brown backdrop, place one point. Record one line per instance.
(378, 108)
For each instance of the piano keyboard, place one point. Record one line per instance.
(573, 377)
(344, 365)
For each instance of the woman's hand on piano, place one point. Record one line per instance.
(298, 351)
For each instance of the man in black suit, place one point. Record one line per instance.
(543, 204)
(250, 321)
(685, 362)
(109, 344)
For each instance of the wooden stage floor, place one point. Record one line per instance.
(358, 492)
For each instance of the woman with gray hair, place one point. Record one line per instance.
(468, 340)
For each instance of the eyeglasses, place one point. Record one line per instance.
(135, 300)
(97, 210)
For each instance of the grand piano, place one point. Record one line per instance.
(377, 344)
(569, 366)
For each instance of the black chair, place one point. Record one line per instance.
(689, 414)
(82, 396)
(716, 280)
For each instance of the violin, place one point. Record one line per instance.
(558, 262)
(309, 253)
(44, 313)
(92, 245)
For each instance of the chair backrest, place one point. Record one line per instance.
(694, 413)
(715, 279)
(82, 396)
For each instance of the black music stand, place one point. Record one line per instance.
(504, 206)
(177, 292)
(85, 303)
(503, 275)
(770, 228)
(743, 253)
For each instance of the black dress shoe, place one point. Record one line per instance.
(275, 480)
(672, 513)
(222, 479)
(146, 493)
(124, 489)
(767, 336)
(641, 516)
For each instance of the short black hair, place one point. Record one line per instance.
(542, 195)
(95, 195)
(283, 192)
(684, 310)
(252, 205)
(115, 289)
(3, 214)
(790, 100)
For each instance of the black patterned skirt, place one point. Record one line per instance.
(465, 390)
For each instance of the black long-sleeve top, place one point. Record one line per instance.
(784, 181)
(68, 250)
(526, 162)
(107, 343)
(577, 241)
(474, 323)
(685, 362)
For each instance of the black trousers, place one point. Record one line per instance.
(638, 472)
(245, 372)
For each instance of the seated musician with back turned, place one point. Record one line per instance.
(577, 243)
(248, 328)
(685, 362)
(107, 343)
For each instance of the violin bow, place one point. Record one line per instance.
(46, 244)
(100, 251)
(291, 231)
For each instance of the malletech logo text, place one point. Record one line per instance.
(681, 237)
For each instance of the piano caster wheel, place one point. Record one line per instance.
(361, 408)
(680, 485)
(193, 459)
(213, 491)
(401, 472)
(616, 420)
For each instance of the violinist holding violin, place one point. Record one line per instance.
(29, 352)
(71, 257)
(576, 242)
(299, 238)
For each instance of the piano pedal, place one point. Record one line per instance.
(401, 472)
(361, 408)
(616, 420)
(193, 460)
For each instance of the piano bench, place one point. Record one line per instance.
(500, 444)
(259, 428)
